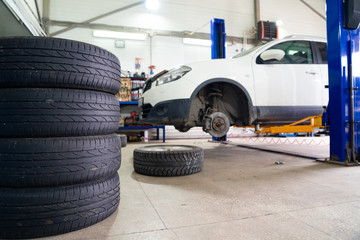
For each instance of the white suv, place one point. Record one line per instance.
(274, 83)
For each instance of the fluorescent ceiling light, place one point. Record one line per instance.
(119, 35)
(152, 4)
(195, 41)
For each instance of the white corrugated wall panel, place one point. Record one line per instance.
(296, 16)
(172, 15)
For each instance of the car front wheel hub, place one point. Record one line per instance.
(220, 124)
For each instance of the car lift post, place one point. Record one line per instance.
(344, 73)
(218, 37)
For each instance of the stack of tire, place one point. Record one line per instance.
(59, 155)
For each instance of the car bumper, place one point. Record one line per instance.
(172, 112)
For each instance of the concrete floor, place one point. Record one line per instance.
(240, 194)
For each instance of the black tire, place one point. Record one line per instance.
(54, 62)
(40, 212)
(41, 112)
(168, 160)
(182, 128)
(123, 139)
(39, 162)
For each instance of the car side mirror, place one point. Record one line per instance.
(272, 54)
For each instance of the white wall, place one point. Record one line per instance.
(167, 52)
(297, 18)
(183, 15)
(177, 15)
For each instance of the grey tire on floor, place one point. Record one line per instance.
(40, 212)
(52, 112)
(123, 139)
(168, 160)
(39, 162)
(53, 62)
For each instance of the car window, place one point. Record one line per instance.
(296, 52)
(323, 51)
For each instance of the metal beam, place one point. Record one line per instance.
(179, 34)
(37, 10)
(98, 17)
(46, 15)
(257, 11)
(313, 9)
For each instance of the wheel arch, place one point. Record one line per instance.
(239, 88)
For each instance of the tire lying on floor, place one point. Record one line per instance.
(168, 160)
(52, 112)
(54, 62)
(41, 212)
(39, 162)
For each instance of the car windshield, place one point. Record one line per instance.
(247, 51)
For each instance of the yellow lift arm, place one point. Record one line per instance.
(315, 122)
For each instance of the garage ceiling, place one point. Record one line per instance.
(9, 25)
(176, 19)
(172, 15)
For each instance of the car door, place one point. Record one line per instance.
(289, 88)
(322, 61)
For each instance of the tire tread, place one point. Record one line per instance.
(40, 212)
(40, 162)
(54, 62)
(168, 163)
(44, 112)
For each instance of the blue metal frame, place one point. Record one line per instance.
(142, 127)
(128, 103)
(343, 52)
(145, 128)
(218, 37)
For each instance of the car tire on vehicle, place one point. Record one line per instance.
(168, 160)
(39, 162)
(182, 128)
(57, 63)
(46, 112)
(41, 212)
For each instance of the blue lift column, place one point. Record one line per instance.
(344, 96)
(218, 37)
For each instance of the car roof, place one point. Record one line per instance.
(305, 37)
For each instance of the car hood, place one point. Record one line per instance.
(221, 68)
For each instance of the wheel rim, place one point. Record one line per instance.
(167, 148)
(218, 124)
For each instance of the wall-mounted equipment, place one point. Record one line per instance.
(267, 30)
(351, 14)
(119, 43)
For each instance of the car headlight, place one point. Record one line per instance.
(173, 75)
